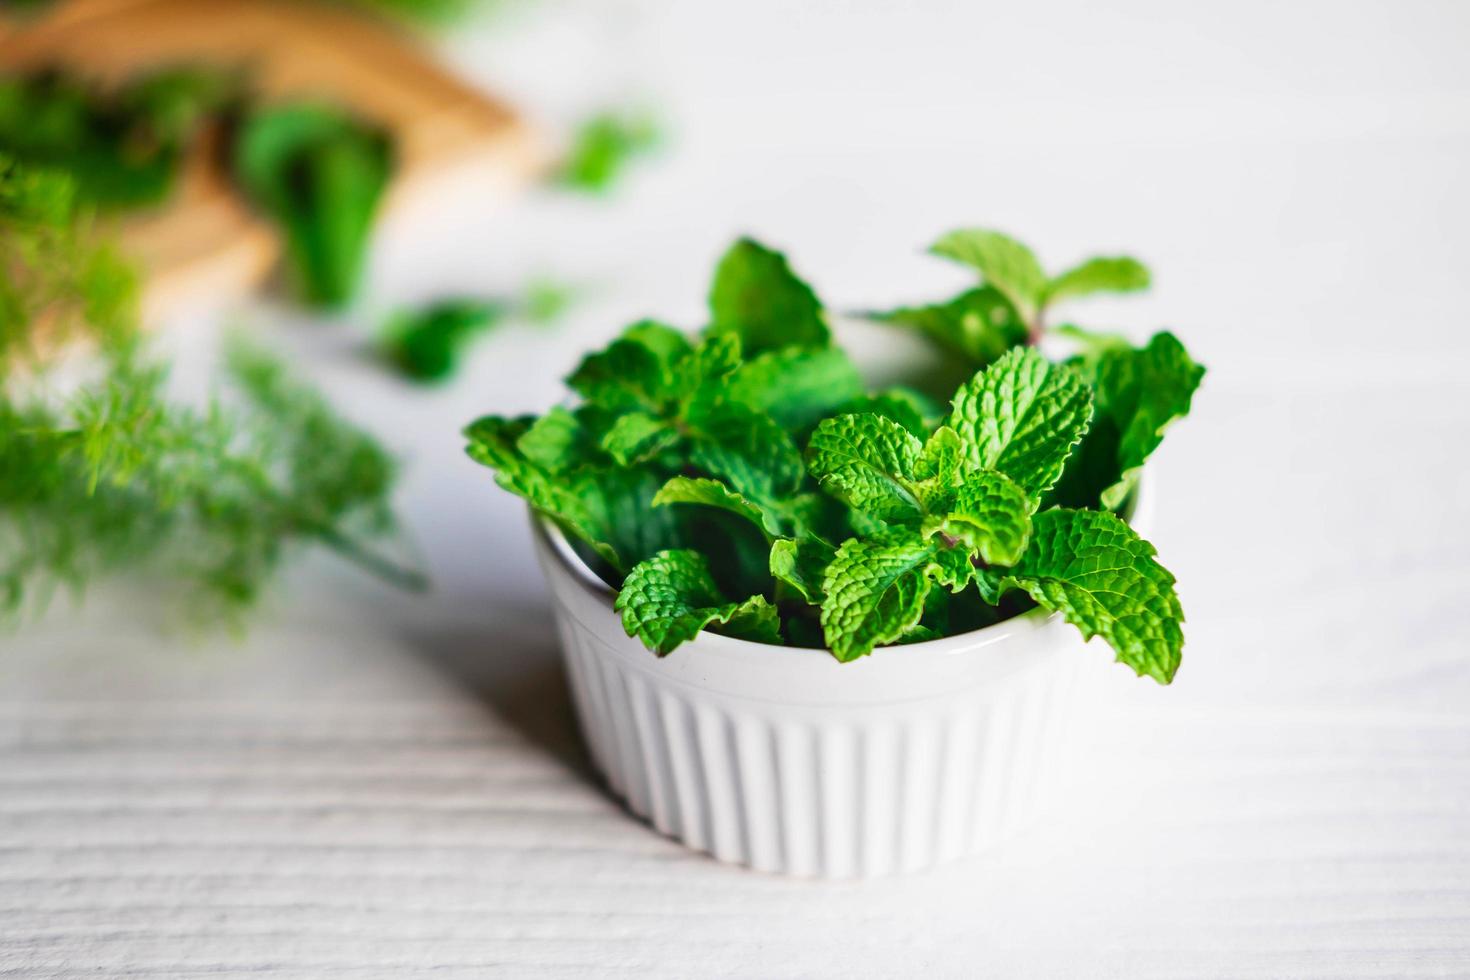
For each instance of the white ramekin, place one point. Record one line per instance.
(784, 760)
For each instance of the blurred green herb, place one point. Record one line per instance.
(320, 174)
(116, 477)
(119, 478)
(123, 146)
(604, 145)
(431, 13)
(427, 344)
(57, 281)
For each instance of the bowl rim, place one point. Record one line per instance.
(1024, 626)
(590, 584)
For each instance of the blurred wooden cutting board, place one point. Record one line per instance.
(205, 241)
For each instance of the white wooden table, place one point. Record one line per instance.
(379, 785)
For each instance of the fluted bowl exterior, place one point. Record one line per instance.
(787, 761)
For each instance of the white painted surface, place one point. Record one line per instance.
(375, 785)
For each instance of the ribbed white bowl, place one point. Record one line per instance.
(787, 761)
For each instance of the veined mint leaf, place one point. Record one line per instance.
(492, 442)
(637, 436)
(802, 564)
(620, 513)
(714, 358)
(908, 408)
(713, 493)
(1104, 274)
(867, 461)
(1006, 264)
(668, 598)
(940, 467)
(667, 344)
(627, 375)
(978, 325)
(556, 441)
(744, 447)
(1103, 578)
(875, 593)
(756, 296)
(989, 514)
(952, 568)
(796, 386)
(1022, 416)
(1141, 392)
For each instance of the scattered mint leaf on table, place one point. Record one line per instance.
(604, 145)
(320, 174)
(758, 465)
(427, 344)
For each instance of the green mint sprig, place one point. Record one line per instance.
(744, 481)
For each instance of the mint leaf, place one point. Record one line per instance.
(868, 462)
(940, 467)
(1141, 392)
(796, 386)
(713, 493)
(952, 568)
(621, 516)
(627, 375)
(908, 408)
(603, 146)
(875, 593)
(1022, 416)
(756, 296)
(1103, 578)
(978, 325)
(713, 359)
(320, 174)
(666, 343)
(745, 447)
(1006, 264)
(802, 564)
(1104, 274)
(637, 436)
(556, 441)
(492, 442)
(668, 598)
(989, 514)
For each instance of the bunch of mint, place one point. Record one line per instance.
(747, 482)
